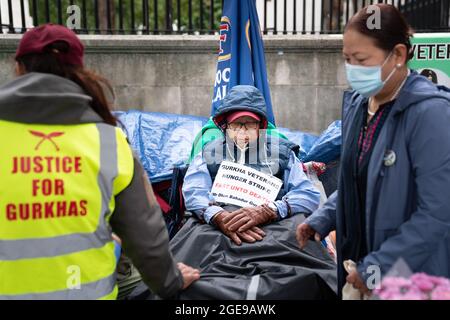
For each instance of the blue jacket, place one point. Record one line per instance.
(408, 203)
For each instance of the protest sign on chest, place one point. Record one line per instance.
(239, 185)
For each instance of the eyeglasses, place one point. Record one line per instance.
(236, 126)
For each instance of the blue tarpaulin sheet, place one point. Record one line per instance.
(327, 147)
(164, 141)
(304, 140)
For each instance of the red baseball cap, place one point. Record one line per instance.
(235, 115)
(37, 39)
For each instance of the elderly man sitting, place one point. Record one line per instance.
(242, 118)
(274, 268)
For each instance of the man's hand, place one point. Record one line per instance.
(246, 218)
(354, 279)
(304, 233)
(189, 274)
(251, 235)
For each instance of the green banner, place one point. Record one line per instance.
(432, 56)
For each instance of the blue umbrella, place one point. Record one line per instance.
(241, 58)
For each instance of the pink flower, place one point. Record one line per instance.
(440, 281)
(396, 282)
(441, 293)
(423, 282)
(387, 294)
(413, 295)
(419, 286)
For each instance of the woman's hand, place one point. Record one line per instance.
(354, 279)
(304, 233)
(189, 274)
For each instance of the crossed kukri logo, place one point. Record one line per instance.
(46, 137)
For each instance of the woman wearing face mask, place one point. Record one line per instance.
(392, 201)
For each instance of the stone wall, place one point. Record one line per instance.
(176, 74)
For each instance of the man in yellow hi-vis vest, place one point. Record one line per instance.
(68, 180)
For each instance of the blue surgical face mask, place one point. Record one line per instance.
(367, 80)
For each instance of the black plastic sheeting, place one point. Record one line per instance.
(277, 268)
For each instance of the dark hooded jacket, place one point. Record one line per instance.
(407, 201)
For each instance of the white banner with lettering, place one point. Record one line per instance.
(243, 186)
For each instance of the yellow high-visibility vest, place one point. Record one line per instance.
(57, 189)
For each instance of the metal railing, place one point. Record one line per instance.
(115, 16)
(331, 16)
(203, 16)
(428, 15)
